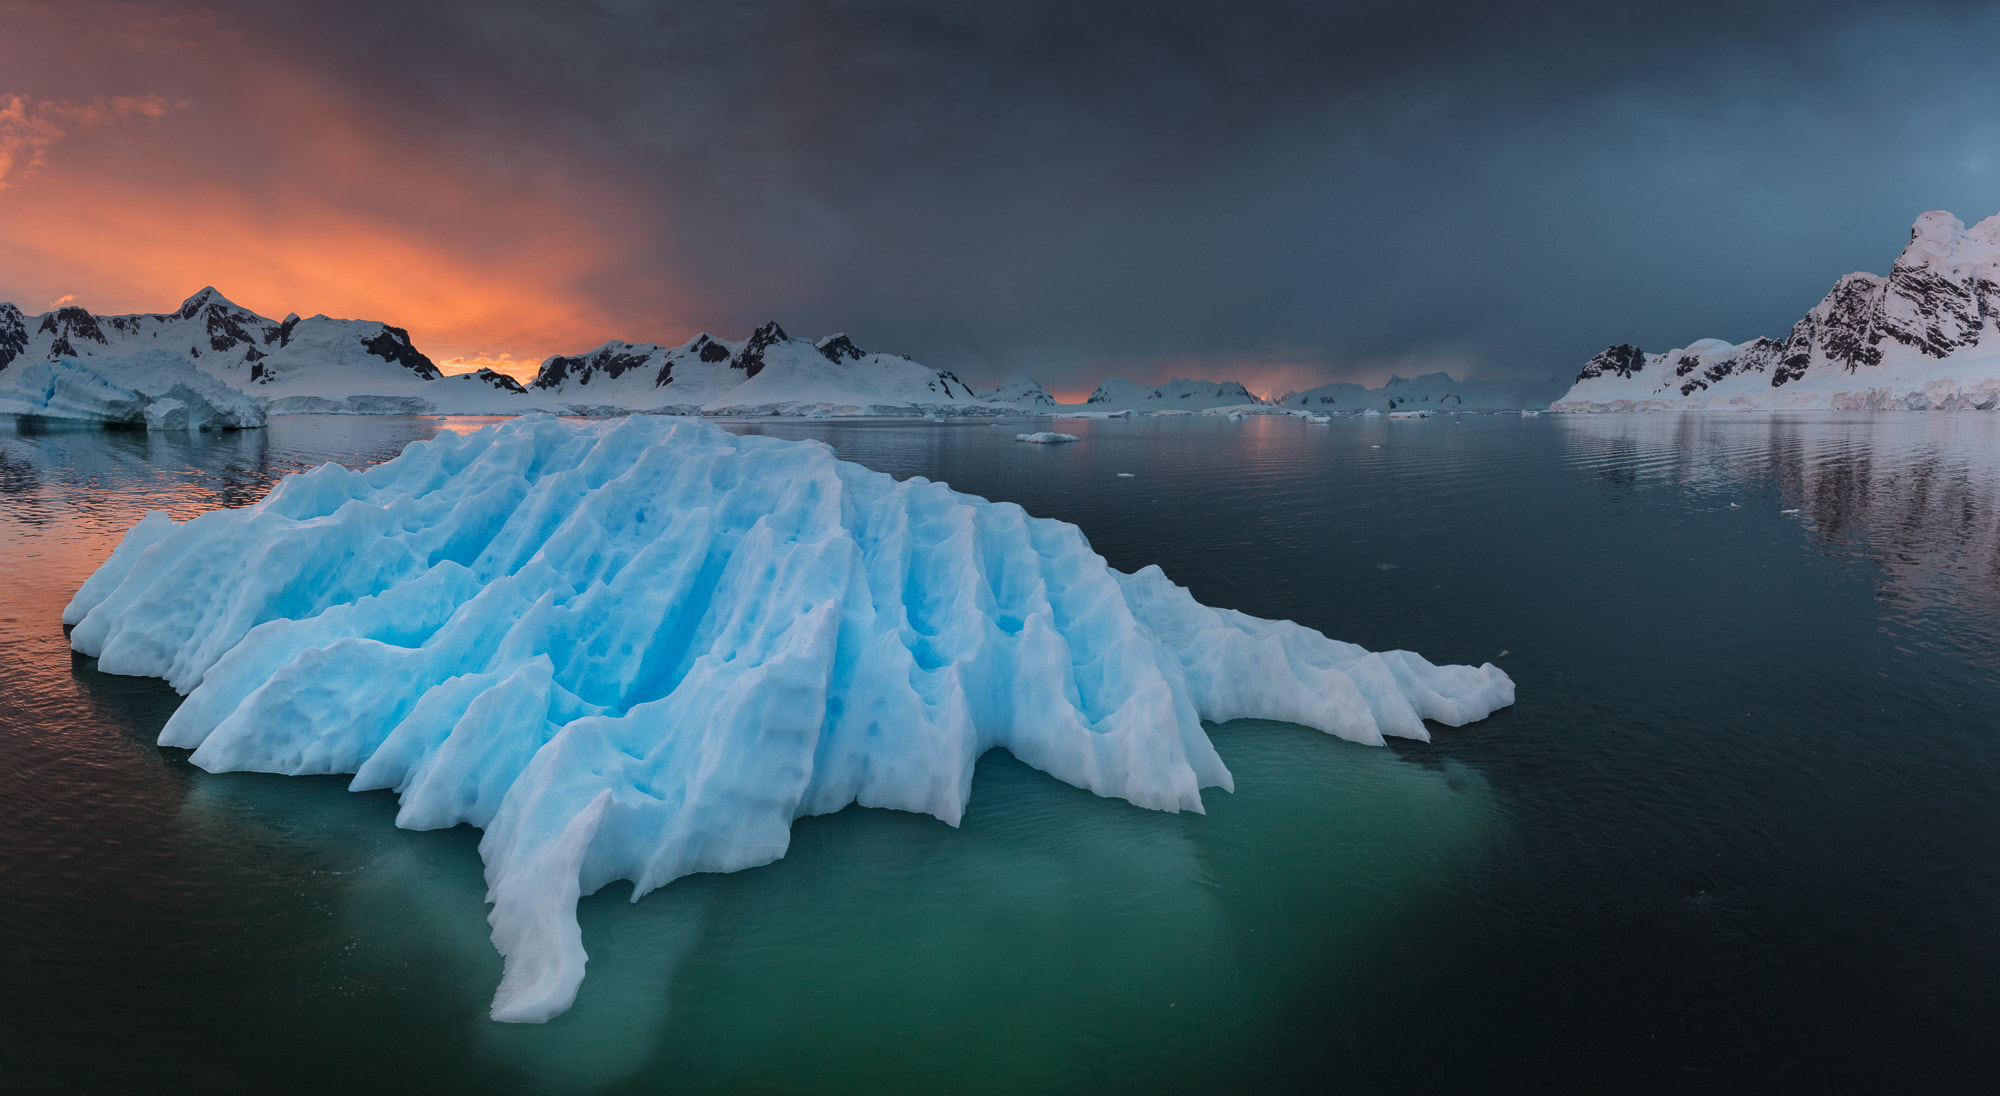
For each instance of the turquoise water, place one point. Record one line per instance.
(1736, 833)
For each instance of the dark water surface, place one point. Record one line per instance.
(1738, 834)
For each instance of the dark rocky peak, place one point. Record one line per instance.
(228, 328)
(612, 360)
(708, 349)
(1698, 370)
(1621, 360)
(947, 379)
(206, 298)
(227, 324)
(73, 323)
(501, 381)
(840, 347)
(393, 344)
(751, 359)
(13, 334)
(1841, 329)
(283, 332)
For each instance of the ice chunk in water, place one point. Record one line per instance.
(639, 648)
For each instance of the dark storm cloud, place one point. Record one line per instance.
(1068, 189)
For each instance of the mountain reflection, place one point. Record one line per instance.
(1914, 496)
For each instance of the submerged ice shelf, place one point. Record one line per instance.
(641, 648)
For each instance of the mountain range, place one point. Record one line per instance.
(322, 365)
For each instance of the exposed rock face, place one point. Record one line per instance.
(610, 360)
(13, 334)
(751, 358)
(500, 381)
(1872, 341)
(1622, 360)
(392, 344)
(838, 348)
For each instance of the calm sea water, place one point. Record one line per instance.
(1738, 834)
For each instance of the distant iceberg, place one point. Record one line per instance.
(150, 388)
(640, 648)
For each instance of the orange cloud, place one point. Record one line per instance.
(338, 216)
(29, 126)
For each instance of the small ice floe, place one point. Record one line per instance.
(1374, 447)
(1236, 416)
(1046, 437)
(1319, 420)
(1124, 475)
(1792, 511)
(1526, 414)
(1371, 413)
(1408, 414)
(1734, 506)
(1385, 567)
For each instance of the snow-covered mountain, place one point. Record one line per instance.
(1431, 392)
(294, 364)
(770, 373)
(1920, 339)
(1021, 392)
(1119, 394)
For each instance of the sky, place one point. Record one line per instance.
(1285, 194)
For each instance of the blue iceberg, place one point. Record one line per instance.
(641, 648)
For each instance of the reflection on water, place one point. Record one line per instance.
(1737, 833)
(1916, 497)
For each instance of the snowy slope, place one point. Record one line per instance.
(770, 373)
(1119, 394)
(1921, 338)
(1431, 392)
(642, 648)
(1021, 392)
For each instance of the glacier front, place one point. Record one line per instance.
(149, 388)
(640, 648)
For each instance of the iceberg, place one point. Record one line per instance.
(150, 388)
(1046, 437)
(640, 648)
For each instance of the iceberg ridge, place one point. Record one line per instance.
(641, 648)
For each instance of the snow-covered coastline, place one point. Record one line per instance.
(1920, 339)
(322, 365)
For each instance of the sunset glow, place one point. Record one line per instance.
(130, 203)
